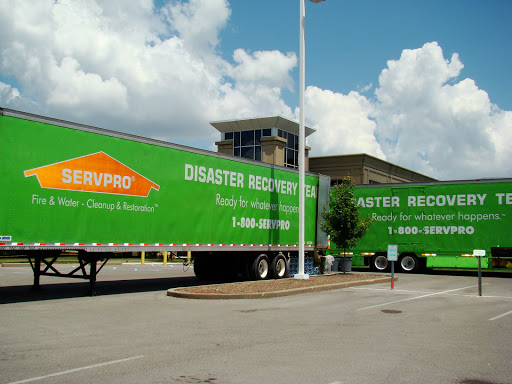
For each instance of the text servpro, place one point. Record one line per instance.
(217, 176)
(432, 200)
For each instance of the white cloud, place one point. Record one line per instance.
(428, 125)
(500, 133)
(84, 92)
(343, 123)
(10, 97)
(365, 88)
(198, 22)
(8, 94)
(131, 67)
(255, 68)
(423, 118)
(158, 73)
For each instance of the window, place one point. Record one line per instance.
(247, 152)
(257, 137)
(247, 144)
(289, 159)
(247, 138)
(292, 150)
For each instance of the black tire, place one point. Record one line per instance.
(279, 267)
(203, 267)
(259, 269)
(409, 263)
(380, 263)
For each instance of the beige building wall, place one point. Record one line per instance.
(225, 147)
(272, 150)
(364, 169)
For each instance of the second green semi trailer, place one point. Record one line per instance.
(68, 186)
(436, 225)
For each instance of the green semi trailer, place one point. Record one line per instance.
(67, 186)
(436, 225)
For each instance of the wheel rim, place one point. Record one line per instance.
(381, 263)
(408, 263)
(280, 267)
(262, 269)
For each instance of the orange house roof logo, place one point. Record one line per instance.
(97, 172)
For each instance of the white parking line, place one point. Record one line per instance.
(500, 316)
(77, 369)
(417, 297)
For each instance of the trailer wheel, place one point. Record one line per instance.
(260, 268)
(279, 267)
(379, 263)
(409, 263)
(202, 267)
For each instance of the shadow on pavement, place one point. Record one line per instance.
(25, 293)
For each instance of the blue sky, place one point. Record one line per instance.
(425, 85)
(348, 43)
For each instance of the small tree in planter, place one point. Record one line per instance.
(342, 219)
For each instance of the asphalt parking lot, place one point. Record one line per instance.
(429, 329)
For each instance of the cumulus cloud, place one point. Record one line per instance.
(423, 117)
(8, 94)
(431, 123)
(254, 68)
(343, 123)
(157, 72)
(132, 67)
(198, 23)
(74, 89)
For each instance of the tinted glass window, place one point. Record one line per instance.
(257, 137)
(247, 138)
(290, 143)
(247, 152)
(290, 157)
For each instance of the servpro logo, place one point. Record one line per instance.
(97, 172)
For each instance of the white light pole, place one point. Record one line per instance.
(302, 137)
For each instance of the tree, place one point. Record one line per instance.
(342, 220)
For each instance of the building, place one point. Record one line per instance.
(274, 140)
(363, 169)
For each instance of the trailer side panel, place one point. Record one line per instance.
(69, 186)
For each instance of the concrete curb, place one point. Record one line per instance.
(182, 292)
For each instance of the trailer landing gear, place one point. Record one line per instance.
(48, 258)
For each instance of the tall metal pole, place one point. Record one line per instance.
(302, 135)
(302, 81)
